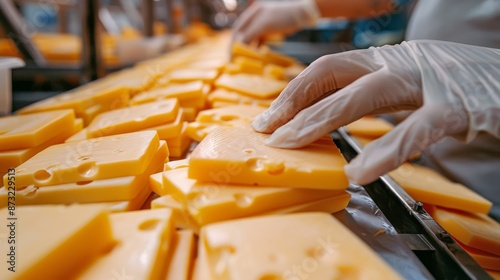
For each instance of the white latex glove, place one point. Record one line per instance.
(266, 17)
(453, 88)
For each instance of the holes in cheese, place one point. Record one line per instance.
(428, 186)
(48, 249)
(144, 242)
(222, 158)
(89, 191)
(251, 85)
(316, 246)
(210, 202)
(475, 230)
(133, 118)
(27, 131)
(62, 162)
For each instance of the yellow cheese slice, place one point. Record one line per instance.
(275, 57)
(328, 205)
(179, 91)
(94, 159)
(252, 85)
(233, 68)
(484, 259)
(275, 72)
(316, 246)
(175, 164)
(369, 127)
(249, 65)
(90, 113)
(80, 99)
(494, 273)
(133, 204)
(181, 216)
(238, 155)
(197, 131)
(245, 50)
(179, 145)
(208, 202)
(114, 189)
(12, 159)
(80, 135)
(213, 63)
(47, 240)
(475, 230)
(181, 264)
(156, 182)
(189, 113)
(144, 239)
(26, 131)
(191, 75)
(428, 186)
(198, 102)
(135, 79)
(133, 118)
(236, 112)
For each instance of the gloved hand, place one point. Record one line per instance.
(453, 88)
(266, 17)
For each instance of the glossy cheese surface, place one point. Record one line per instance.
(114, 189)
(11, 159)
(209, 202)
(181, 263)
(273, 57)
(238, 155)
(49, 237)
(26, 131)
(179, 91)
(180, 144)
(133, 118)
(135, 203)
(171, 129)
(475, 230)
(316, 245)
(249, 65)
(101, 158)
(369, 127)
(245, 50)
(144, 239)
(252, 85)
(428, 186)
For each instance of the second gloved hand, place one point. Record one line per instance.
(453, 88)
(266, 17)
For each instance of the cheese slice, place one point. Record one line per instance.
(133, 204)
(133, 118)
(275, 72)
(79, 136)
(213, 63)
(79, 99)
(179, 91)
(180, 144)
(208, 202)
(231, 97)
(428, 186)
(47, 239)
(251, 85)
(494, 273)
(94, 159)
(369, 127)
(156, 182)
(275, 57)
(11, 159)
(191, 75)
(328, 205)
(26, 131)
(245, 50)
(249, 65)
(114, 189)
(189, 113)
(181, 263)
(484, 259)
(181, 216)
(175, 164)
(197, 130)
(475, 230)
(238, 155)
(90, 113)
(316, 246)
(236, 112)
(144, 239)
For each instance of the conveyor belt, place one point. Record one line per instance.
(400, 230)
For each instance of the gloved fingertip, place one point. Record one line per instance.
(357, 175)
(260, 123)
